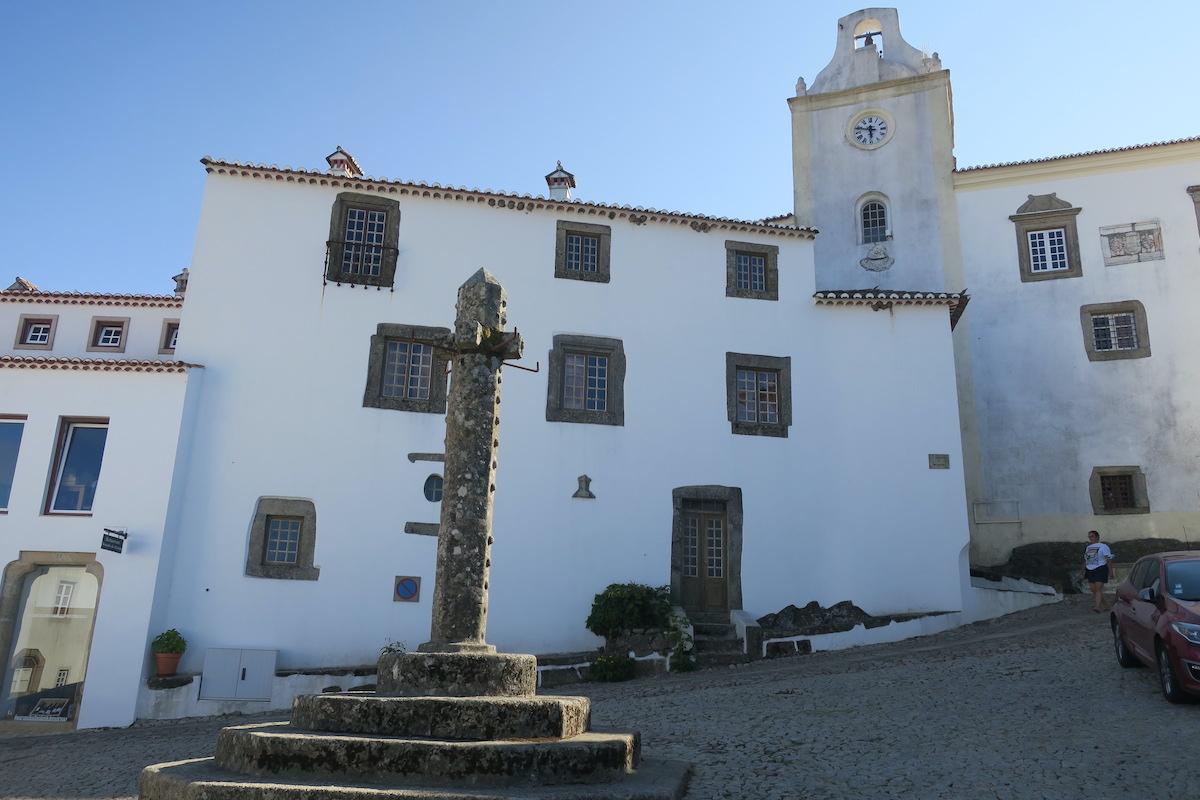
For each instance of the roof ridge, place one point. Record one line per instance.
(1082, 154)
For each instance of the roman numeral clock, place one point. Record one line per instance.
(870, 129)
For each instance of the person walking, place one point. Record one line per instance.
(1095, 568)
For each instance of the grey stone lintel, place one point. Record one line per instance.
(303, 569)
(604, 247)
(780, 364)
(415, 457)
(770, 251)
(422, 528)
(614, 349)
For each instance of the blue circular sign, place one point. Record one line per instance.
(406, 588)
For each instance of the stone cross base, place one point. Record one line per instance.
(443, 726)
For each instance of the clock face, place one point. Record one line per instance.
(870, 131)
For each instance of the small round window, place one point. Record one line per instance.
(433, 488)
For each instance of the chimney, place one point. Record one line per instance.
(561, 183)
(180, 282)
(342, 163)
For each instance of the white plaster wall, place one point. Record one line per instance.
(71, 337)
(911, 170)
(845, 508)
(1047, 415)
(135, 476)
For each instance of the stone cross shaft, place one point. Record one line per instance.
(479, 344)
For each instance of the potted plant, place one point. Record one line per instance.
(168, 648)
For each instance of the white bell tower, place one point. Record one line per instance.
(872, 159)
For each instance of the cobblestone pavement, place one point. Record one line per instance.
(1029, 706)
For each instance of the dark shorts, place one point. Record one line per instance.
(1097, 575)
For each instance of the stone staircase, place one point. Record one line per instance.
(406, 743)
(715, 640)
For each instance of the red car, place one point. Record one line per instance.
(1156, 621)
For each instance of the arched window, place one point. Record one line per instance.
(433, 488)
(873, 216)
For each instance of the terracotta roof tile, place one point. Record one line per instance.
(93, 298)
(93, 364)
(1085, 153)
(518, 202)
(879, 299)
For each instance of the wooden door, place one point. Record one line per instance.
(705, 583)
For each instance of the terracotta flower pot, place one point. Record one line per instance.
(166, 663)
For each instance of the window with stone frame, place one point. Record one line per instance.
(283, 539)
(1118, 490)
(582, 251)
(406, 370)
(586, 380)
(751, 270)
(758, 394)
(873, 222)
(1047, 238)
(169, 337)
(364, 233)
(36, 332)
(108, 335)
(1115, 331)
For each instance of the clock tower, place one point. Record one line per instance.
(872, 159)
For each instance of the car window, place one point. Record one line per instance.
(1153, 573)
(1139, 570)
(1183, 580)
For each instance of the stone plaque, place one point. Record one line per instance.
(407, 589)
(1132, 242)
(939, 461)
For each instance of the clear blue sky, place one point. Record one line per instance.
(107, 106)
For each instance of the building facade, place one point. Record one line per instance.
(758, 413)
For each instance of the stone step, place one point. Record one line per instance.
(201, 779)
(457, 675)
(707, 645)
(276, 748)
(469, 718)
(713, 629)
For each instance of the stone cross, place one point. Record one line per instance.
(479, 345)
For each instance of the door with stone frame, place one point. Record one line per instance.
(705, 582)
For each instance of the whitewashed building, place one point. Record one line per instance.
(759, 413)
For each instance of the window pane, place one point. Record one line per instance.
(691, 547)
(10, 443)
(1047, 250)
(716, 548)
(395, 369)
(597, 383)
(283, 540)
(1116, 491)
(362, 248)
(747, 407)
(768, 397)
(874, 223)
(433, 488)
(758, 273)
(574, 380)
(37, 332)
(80, 468)
(583, 252)
(420, 370)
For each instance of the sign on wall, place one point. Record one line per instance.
(939, 461)
(407, 589)
(113, 540)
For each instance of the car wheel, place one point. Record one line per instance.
(1167, 679)
(1124, 657)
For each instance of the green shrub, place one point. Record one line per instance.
(630, 606)
(171, 641)
(612, 668)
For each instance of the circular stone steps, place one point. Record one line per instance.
(276, 748)
(200, 779)
(462, 718)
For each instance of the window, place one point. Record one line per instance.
(758, 394)
(283, 539)
(1118, 490)
(586, 380)
(364, 232)
(77, 466)
(36, 332)
(11, 430)
(1047, 238)
(169, 337)
(433, 488)
(63, 678)
(62, 598)
(108, 335)
(1114, 331)
(405, 370)
(581, 251)
(1048, 250)
(751, 271)
(873, 216)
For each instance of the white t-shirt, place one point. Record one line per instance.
(1097, 555)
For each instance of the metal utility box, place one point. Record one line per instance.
(238, 674)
